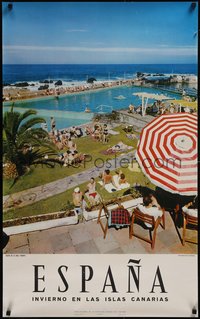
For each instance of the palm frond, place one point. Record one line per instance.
(33, 137)
(30, 123)
(26, 114)
(50, 162)
(19, 132)
(11, 124)
(14, 182)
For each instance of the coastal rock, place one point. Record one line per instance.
(6, 84)
(43, 87)
(59, 82)
(46, 81)
(139, 74)
(91, 80)
(21, 84)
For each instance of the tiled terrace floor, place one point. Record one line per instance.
(87, 238)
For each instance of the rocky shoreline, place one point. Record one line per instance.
(12, 94)
(49, 88)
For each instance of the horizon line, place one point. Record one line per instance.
(97, 63)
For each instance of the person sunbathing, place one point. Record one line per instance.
(70, 143)
(79, 132)
(93, 196)
(97, 134)
(73, 148)
(59, 145)
(122, 179)
(70, 157)
(117, 148)
(107, 178)
(65, 141)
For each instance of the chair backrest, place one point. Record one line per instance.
(144, 217)
(191, 219)
(120, 216)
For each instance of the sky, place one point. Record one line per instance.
(96, 32)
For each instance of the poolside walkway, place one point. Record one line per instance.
(35, 194)
(87, 238)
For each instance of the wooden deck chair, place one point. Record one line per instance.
(191, 220)
(145, 218)
(104, 226)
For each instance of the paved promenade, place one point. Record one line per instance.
(35, 194)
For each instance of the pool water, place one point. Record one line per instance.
(63, 119)
(68, 110)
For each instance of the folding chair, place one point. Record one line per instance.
(105, 226)
(145, 218)
(188, 220)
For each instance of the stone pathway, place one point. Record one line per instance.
(35, 194)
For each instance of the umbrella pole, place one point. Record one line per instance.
(142, 105)
(145, 107)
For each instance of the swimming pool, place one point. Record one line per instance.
(68, 110)
(63, 119)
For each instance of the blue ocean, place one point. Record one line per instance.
(80, 72)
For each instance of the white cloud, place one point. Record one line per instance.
(176, 46)
(174, 51)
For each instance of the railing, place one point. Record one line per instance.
(188, 91)
(102, 107)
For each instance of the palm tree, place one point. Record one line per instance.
(23, 143)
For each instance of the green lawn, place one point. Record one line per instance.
(59, 202)
(41, 175)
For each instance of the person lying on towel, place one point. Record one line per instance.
(107, 178)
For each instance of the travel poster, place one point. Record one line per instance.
(99, 159)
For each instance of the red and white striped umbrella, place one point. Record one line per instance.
(167, 152)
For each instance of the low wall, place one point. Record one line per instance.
(136, 120)
(39, 222)
(129, 205)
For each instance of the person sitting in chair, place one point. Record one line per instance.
(191, 208)
(150, 207)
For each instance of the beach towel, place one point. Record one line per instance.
(111, 188)
(120, 216)
(132, 136)
(113, 132)
(119, 147)
(134, 167)
(120, 186)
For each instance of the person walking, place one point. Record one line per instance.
(53, 124)
(77, 200)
